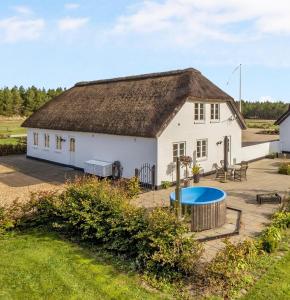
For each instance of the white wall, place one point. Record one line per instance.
(285, 135)
(260, 150)
(132, 152)
(183, 128)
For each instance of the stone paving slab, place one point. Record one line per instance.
(262, 178)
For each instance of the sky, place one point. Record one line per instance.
(52, 43)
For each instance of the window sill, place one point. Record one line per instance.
(199, 122)
(215, 121)
(45, 149)
(201, 159)
(57, 151)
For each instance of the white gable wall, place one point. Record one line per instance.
(132, 152)
(285, 135)
(184, 129)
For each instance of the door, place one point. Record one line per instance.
(72, 150)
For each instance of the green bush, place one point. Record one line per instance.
(97, 212)
(9, 216)
(270, 238)
(7, 149)
(166, 184)
(284, 169)
(273, 234)
(230, 268)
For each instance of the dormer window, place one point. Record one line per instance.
(199, 112)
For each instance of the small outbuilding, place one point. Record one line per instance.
(284, 124)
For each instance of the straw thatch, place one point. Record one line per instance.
(134, 106)
(283, 117)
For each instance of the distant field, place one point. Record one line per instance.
(8, 127)
(11, 126)
(261, 124)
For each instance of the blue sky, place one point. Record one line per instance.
(52, 43)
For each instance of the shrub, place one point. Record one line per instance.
(231, 267)
(284, 169)
(133, 187)
(10, 215)
(96, 211)
(270, 238)
(7, 149)
(166, 184)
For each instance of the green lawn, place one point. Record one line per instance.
(11, 126)
(275, 284)
(42, 266)
(13, 141)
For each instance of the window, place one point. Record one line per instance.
(35, 138)
(72, 145)
(46, 140)
(199, 112)
(215, 111)
(178, 150)
(58, 142)
(201, 149)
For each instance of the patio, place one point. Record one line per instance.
(262, 178)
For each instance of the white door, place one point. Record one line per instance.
(72, 150)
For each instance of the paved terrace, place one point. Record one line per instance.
(262, 178)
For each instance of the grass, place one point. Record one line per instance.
(11, 126)
(40, 265)
(261, 124)
(275, 283)
(5, 141)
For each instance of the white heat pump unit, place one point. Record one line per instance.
(98, 168)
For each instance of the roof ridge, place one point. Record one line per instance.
(137, 77)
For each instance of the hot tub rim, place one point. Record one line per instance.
(223, 197)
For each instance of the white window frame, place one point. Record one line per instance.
(177, 150)
(35, 139)
(199, 148)
(72, 145)
(215, 112)
(199, 112)
(58, 142)
(46, 141)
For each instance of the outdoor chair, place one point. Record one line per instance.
(220, 173)
(241, 173)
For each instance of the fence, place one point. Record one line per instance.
(260, 150)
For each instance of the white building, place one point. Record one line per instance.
(135, 120)
(284, 123)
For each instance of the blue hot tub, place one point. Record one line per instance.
(207, 206)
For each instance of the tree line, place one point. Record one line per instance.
(263, 110)
(20, 101)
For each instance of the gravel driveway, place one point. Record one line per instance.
(20, 176)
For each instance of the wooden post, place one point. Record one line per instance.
(153, 177)
(178, 204)
(226, 156)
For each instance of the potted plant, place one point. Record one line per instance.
(196, 173)
(186, 162)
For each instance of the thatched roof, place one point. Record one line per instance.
(283, 117)
(135, 106)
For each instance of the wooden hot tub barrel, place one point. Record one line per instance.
(208, 216)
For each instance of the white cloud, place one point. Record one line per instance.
(69, 23)
(71, 5)
(22, 9)
(15, 29)
(186, 21)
